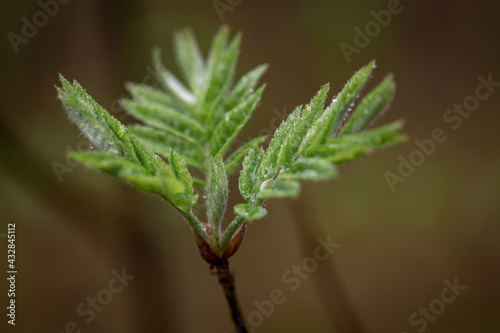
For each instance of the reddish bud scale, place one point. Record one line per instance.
(207, 252)
(235, 242)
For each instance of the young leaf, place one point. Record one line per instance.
(238, 94)
(121, 168)
(104, 131)
(345, 152)
(142, 168)
(279, 188)
(146, 94)
(235, 159)
(165, 118)
(189, 59)
(218, 192)
(181, 172)
(163, 142)
(220, 69)
(250, 212)
(249, 180)
(270, 166)
(244, 87)
(215, 57)
(380, 136)
(290, 149)
(329, 122)
(175, 192)
(233, 122)
(172, 85)
(310, 169)
(371, 106)
(348, 147)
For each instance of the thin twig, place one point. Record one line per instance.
(225, 277)
(328, 281)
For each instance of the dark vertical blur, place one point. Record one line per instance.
(77, 229)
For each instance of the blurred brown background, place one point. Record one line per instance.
(396, 247)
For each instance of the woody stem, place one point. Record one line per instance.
(225, 276)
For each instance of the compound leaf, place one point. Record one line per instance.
(103, 130)
(122, 154)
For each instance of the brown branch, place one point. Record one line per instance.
(225, 276)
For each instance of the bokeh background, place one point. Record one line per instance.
(397, 247)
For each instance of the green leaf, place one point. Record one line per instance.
(181, 173)
(220, 69)
(93, 120)
(189, 59)
(235, 159)
(126, 170)
(249, 180)
(250, 212)
(310, 169)
(166, 118)
(172, 85)
(233, 122)
(185, 199)
(218, 192)
(123, 155)
(290, 148)
(331, 119)
(104, 131)
(146, 94)
(342, 153)
(380, 136)
(348, 147)
(244, 87)
(238, 94)
(283, 149)
(117, 166)
(279, 188)
(163, 142)
(270, 166)
(371, 106)
(176, 194)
